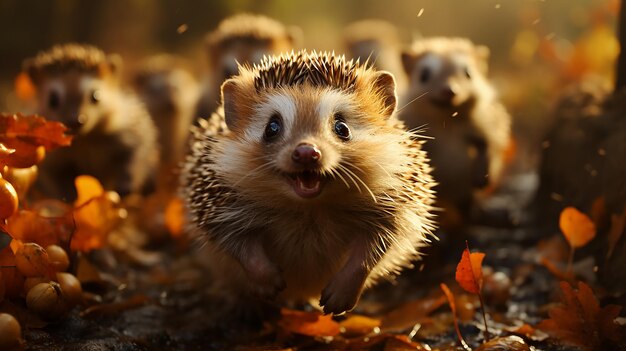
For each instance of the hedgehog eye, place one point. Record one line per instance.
(95, 97)
(54, 100)
(341, 128)
(425, 75)
(467, 72)
(273, 128)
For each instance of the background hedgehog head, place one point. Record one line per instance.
(310, 127)
(246, 38)
(450, 71)
(76, 84)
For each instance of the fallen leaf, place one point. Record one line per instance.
(598, 211)
(469, 273)
(507, 343)
(577, 227)
(528, 331)
(383, 342)
(579, 320)
(33, 129)
(29, 226)
(452, 304)
(96, 214)
(308, 323)
(113, 308)
(410, 313)
(616, 231)
(87, 188)
(359, 325)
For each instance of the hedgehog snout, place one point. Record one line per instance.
(307, 155)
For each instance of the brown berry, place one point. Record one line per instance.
(58, 258)
(32, 260)
(46, 300)
(10, 333)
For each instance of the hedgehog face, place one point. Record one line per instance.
(76, 99)
(307, 142)
(450, 72)
(447, 80)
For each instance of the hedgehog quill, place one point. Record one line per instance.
(305, 185)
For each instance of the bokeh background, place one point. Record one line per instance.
(537, 46)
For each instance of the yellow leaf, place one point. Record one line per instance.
(87, 188)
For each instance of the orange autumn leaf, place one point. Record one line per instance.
(469, 273)
(34, 130)
(598, 211)
(95, 215)
(30, 226)
(175, 217)
(308, 323)
(87, 188)
(407, 314)
(452, 304)
(577, 227)
(579, 319)
(616, 231)
(359, 325)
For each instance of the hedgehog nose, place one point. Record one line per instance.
(306, 154)
(448, 93)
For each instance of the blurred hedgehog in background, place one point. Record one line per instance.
(115, 139)
(378, 43)
(449, 95)
(169, 92)
(240, 39)
(572, 159)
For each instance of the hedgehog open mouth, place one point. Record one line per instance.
(306, 184)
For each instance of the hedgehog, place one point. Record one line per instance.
(304, 184)
(450, 96)
(114, 137)
(378, 43)
(571, 157)
(169, 92)
(240, 39)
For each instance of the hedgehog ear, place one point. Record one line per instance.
(114, 64)
(408, 61)
(385, 85)
(230, 92)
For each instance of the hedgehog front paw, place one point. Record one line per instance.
(340, 295)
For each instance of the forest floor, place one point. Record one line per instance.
(160, 299)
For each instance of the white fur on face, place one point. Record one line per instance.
(460, 61)
(332, 101)
(281, 104)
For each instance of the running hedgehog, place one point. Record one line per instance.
(115, 139)
(244, 38)
(450, 95)
(304, 183)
